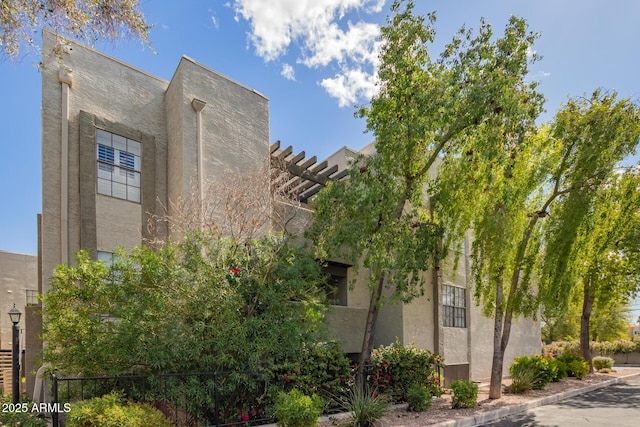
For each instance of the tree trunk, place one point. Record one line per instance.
(587, 306)
(367, 341)
(376, 295)
(495, 387)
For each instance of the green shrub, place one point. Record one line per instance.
(322, 369)
(395, 368)
(244, 288)
(579, 368)
(602, 362)
(574, 365)
(547, 366)
(294, 409)
(623, 346)
(563, 370)
(111, 411)
(523, 377)
(465, 394)
(601, 347)
(365, 405)
(22, 419)
(418, 398)
(540, 370)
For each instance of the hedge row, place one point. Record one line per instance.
(604, 347)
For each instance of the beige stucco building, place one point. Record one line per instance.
(18, 285)
(445, 320)
(19, 288)
(120, 146)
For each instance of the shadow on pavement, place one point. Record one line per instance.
(521, 420)
(617, 395)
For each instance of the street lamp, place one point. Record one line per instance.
(15, 315)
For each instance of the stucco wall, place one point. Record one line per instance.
(113, 92)
(234, 126)
(124, 100)
(18, 273)
(418, 327)
(525, 339)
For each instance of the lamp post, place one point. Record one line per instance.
(15, 315)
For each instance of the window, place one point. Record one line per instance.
(118, 166)
(454, 312)
(110, 259)
(337, 286)
(106, 257)
(33, 297)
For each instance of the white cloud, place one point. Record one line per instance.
(287, 72)
(358, 44)
(316, 29)
(214, 20)
(351, 85)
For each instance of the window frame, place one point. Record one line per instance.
(119, 166)
(454, 306)
(337, 283)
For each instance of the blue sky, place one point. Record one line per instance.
(313, 59)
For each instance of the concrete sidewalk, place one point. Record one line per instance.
(489, 416)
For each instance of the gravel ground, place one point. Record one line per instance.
(441, 408)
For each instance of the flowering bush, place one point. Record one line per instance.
(600, 347)
(205, 304)
(543, 368)
(601, 363)
(523, 378)
(395, 368)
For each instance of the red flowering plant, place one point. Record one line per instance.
(246, 415)
(395, 368)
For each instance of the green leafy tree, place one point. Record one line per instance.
(425, 109)
(608, 321)
(88, 20)
(499, 198)
(603, 261)
(207, 304)
(509, 194)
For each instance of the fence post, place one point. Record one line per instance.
(54, 414)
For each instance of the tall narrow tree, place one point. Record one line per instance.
(425, 109)
(604, 260)
(507, 196)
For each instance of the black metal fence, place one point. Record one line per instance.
(203, 399)
(194, 400)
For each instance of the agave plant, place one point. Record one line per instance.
(366, 406)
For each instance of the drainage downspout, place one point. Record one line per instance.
(66, 79)
(198, 106)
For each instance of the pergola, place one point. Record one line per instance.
(297, 177)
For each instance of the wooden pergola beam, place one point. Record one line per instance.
(301, 178)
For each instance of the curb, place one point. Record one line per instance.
(515, 409)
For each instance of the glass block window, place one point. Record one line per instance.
(454, 308)
(118, 166)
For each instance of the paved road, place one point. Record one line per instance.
(617, 405)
